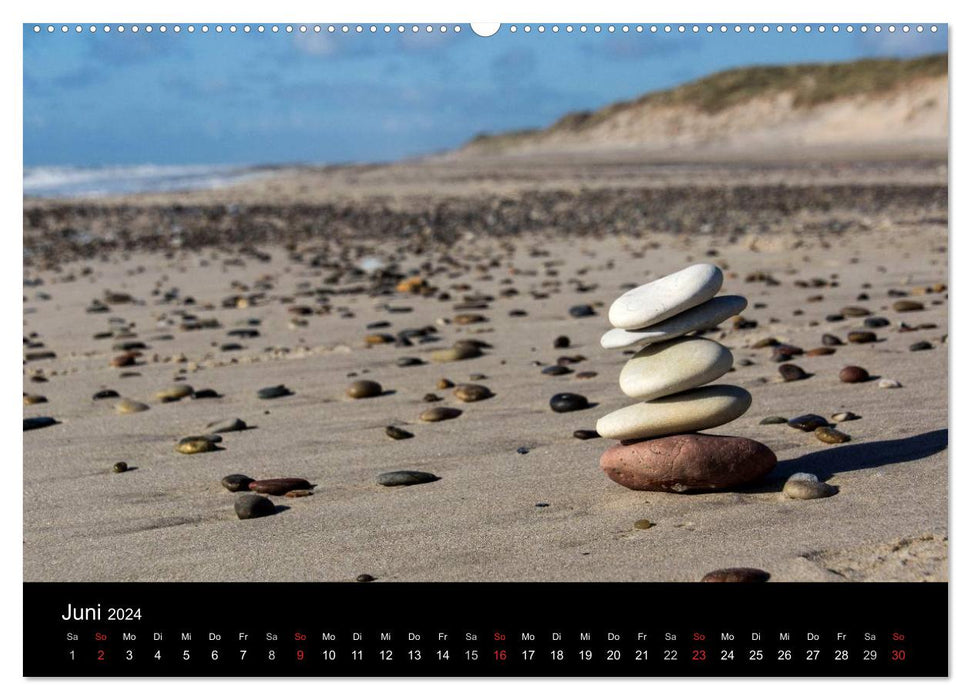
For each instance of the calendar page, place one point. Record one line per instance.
(441, 349)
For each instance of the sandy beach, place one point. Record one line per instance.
(281, 280)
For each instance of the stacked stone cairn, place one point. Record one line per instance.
(660, 448)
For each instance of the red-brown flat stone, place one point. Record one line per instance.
(278, 487)
(689, 462)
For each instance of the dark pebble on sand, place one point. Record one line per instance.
(365, 578)
(279, 486)
(431, 398)
(38, 422)
(808, 422)
(236, 482)
(522, 450)
(853, 374)
(585, 434)
(736, 575)
(835, 318)
(405, 478)
(876, 322)
(792, 373)
(472, 392)
(364, 389)
(206, 394)
(831, 435)
(922, 345)
(566, 402)
(862, 337)
(397, 433)
(820, 352)
(585, 375)
(105, 394)
(854, 311)
(409, 361)
(773, 420)
(830, 340)
(556, 370)
(273, 392)
(907, 305)
(249, 505)
(119, 467)
(561, 341)
(582, 311)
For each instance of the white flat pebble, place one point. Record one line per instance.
(666, 297)
(673, 366)
(698, 318)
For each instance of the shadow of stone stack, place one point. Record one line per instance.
(660, 447)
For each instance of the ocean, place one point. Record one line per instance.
(69, 181)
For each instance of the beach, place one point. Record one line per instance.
(281, 279)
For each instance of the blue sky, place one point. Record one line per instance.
(118, 99)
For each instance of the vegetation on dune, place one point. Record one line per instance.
(810, 85)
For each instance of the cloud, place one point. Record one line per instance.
(133, 48)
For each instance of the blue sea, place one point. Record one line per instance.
(69, 181)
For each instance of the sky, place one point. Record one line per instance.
(235, 98)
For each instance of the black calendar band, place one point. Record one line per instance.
(485, 629)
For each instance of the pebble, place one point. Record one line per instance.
(439, 413)
(905, 305)
(105, 394)
(226, 426)
(844, 416)
(689, 462)
(444, 383)
(472, 392)
(273, 392)
(582, 311)
(195, 444)
(206, 394)
(126, 360)
(249, 505)
(805, 487)
(397, 433)
(921, 345)
(831, 435)
(38, 422)
(561, 341)
(876, 322)
(701, 317)
(431, 398)
(364, 389)
(773, 420)
(808, 422)
(792, 373)
(456, 353)
(129, 406)
(174, 392)
(119, 467)
(736, 574)
(674, 366)
(862, 337)
(696, 409)
(889, 384)
(522, 450)
(585, 375)
(405, 478)
(556, 370)
(33, 399)
(820, 352)
(853, 374)
(854, 311)
(279, 486)
(830, 340)
(585, 434)
(566, 402)
(663, 298)
(643, 524)
(409, 361)
(236, 482)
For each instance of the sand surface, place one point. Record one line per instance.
(169, 519)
